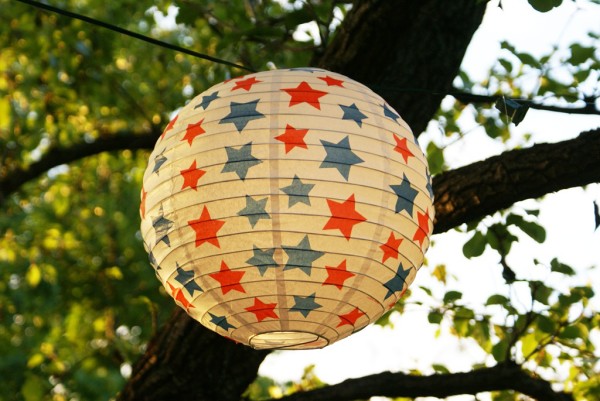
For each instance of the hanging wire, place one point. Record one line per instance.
(127, 32)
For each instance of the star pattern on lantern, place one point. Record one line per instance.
(330, 81)
(337, 275)
(169, 127)
(179, 296)
(229, 279)
(388, 112)
(192, 131)
(301, 256)
(428, 185)
(241, 114)
(263, 310)
(191, 175)
(343, 216)
(143, 203)
(207, 100)
(305, 305)
(240, 160)
(304, 93)
(298, 192)
(262, 259)
(220, 321)
(402, 148)
(423, 229)
(353, 113)
(293, 138)
(390, 248)
(245, 84)
(159, 160)
(162, 225)
(206, 228)
(340, 156)
(254, 210)
(350, 317)
(186, 278)
(406, 196)
(396, 283)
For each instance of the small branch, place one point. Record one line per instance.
(505, 376)
(466, 98)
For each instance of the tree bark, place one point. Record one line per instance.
(506, 376)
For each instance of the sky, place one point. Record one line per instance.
(413, 343)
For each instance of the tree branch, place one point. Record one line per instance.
(505, 376)
(14, 178)
(479, 189)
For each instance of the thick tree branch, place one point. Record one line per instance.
(14, 178)
(506, 376)
(482, 188)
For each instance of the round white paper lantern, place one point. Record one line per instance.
(287, 208)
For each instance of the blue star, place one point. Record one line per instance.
(298, 192)
(220, 321)
(262, 259)
(241, 114)
(240, 160)
(152, 260)
(406, 196)
(428, 186)
(301, 256)
(388, 112)
(186, 278)
(254, 210)
(340, 156)
(305, 69)
(162, 225)
(207, 100)
(159, 160)
(353, 113)
(396, 283)
(305, 305)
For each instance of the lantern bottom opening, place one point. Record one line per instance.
(288, 340)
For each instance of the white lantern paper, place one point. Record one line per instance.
(287, 208)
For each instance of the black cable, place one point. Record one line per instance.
(124, 31)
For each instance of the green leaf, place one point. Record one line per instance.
(534, 230)
(435, 158)
(540, 292)
(528, 59)
(546, 324)
(497, 299)
(544, 5)
(452, 296)
(435, 317)
(559, 267)
(440, 368)
(499, 350)
(34, 388)
(580, 54)
(439, 272)
(570, 333)
(475, 246)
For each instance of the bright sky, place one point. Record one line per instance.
(567, 216)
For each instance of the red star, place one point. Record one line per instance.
(143, 203)
(168, 127)
(402, 148)
(390, 248)
(245, 84)
(303, 93)
(337, 275)
(332, 81)
(350, 318)
(262, 310)
(292, 138)
(179, 296)
(229, 279)
(206, 229)
(343, 216)
(423, 229)
(191, 175)
(192, 131)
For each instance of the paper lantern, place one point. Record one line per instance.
(287, 208)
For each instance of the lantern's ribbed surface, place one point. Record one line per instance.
(287, 208)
